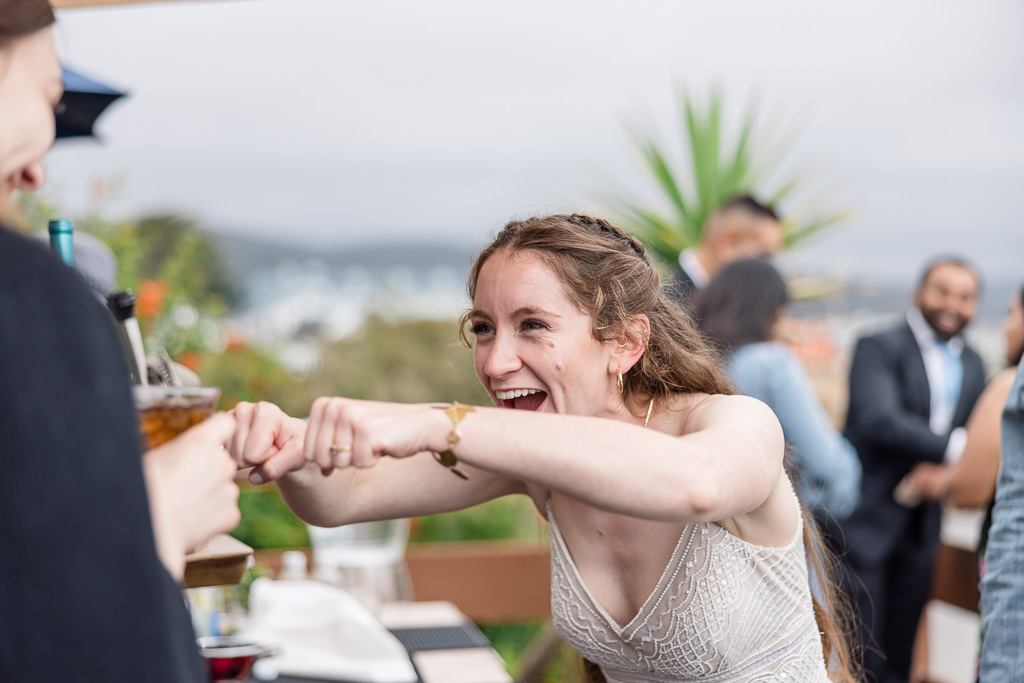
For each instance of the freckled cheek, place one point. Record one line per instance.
(479, 361)
(556, 362)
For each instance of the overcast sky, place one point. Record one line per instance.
(333, 122)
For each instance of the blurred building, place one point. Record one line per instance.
(296, 300)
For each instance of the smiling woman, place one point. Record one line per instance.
(22, 18)
(608, 288)
(663, 492)
(30, 86)
(90, 554)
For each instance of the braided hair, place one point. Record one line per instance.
(605, 229)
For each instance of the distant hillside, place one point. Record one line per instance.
(243, 256)
(246, 257)
(888, 298)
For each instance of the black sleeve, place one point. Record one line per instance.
(83, 595)
(878, 416)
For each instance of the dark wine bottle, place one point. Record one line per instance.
(122, 307)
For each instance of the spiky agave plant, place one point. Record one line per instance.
(716, 169)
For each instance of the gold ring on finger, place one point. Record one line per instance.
(335, 449)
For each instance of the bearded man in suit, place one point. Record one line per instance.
(912, 388)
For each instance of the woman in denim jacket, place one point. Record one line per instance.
(738, 311)
(1002, 590)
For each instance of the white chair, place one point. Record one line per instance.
(366, 559)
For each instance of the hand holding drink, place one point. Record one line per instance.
(189, 474)
(165, 412)
(192, 492)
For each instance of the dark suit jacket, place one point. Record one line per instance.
(887, 422)
(83, 595)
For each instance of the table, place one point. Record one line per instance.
(444, 645)
(220, 562)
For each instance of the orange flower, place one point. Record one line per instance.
(237, 342)
(151, 298)
(191, 360)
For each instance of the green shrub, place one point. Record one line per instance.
(509, 517)
(266, 520)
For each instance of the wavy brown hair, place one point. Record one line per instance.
(606, 272)
(608, 275)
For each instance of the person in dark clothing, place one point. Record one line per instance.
(912, 388)
(88, 557)
(740, 228)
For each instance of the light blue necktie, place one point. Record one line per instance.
(954, 376)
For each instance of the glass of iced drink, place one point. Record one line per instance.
(165, 412)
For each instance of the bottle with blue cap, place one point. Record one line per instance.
(62, 240)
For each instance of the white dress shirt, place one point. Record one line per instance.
(690, 264)
(943, 401)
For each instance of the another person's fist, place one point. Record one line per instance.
(268, 440)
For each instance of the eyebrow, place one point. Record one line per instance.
(530, 310)
(521, 312)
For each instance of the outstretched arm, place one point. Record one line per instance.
(414, 486)
(727, 464)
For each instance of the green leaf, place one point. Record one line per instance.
(784, 191)
(659, 168)
(738, 169)
(717, 171)
(805, 232)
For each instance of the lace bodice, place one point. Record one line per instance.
(724, 611)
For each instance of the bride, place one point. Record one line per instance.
(679, 548)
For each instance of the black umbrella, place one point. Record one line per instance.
(82, 103)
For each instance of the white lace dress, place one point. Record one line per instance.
(724, 611)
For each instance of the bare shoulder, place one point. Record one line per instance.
(745, 440)
(713, 411)
(1001, 383)
(994, 396)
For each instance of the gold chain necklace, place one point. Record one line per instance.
(650, 407)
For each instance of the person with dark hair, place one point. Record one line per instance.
(28, 128)
(738, 312)
(740, 228)
(912, 388)
(88, 556)
(970, 482)
(679, 547)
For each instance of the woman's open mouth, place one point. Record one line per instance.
(522, 399)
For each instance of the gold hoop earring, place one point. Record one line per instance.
(622, 387)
